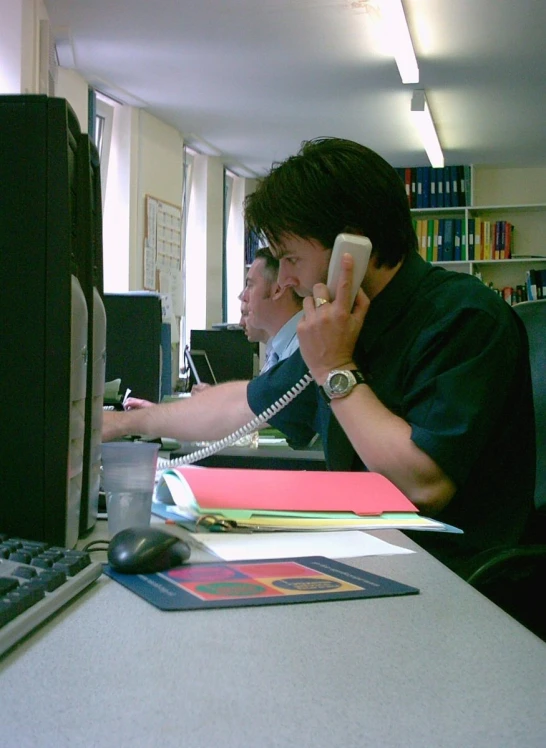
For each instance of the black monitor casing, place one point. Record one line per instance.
(133, 342)
(90, 264)
(45, 319)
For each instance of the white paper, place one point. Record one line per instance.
(345, 544)
(164, 282)
(149, 266)
(166, 307)
(152, 223)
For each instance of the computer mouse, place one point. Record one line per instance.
(145, 550)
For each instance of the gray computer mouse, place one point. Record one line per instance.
(145, 550)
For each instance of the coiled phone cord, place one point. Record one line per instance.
(216, 446)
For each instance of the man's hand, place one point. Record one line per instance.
(201, 387)
(134, 403)
(328, 333)
(213, 414)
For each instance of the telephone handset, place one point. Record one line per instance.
(360, 248)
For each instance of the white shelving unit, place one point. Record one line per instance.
(505, 188)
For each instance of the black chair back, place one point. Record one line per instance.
(533, 315)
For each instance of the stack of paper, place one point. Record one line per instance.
(287, 499)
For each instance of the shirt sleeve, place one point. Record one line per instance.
(297, 419)
(460, 376)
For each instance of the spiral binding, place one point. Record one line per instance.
(216, 446)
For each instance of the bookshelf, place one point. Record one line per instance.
(516, 196)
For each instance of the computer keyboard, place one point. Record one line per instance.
(36, 579)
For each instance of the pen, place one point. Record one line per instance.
(127, 393)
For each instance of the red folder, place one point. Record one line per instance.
(294, 490)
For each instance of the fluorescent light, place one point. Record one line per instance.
(240, 170)
(201, 145)
(425, 125)
(398, 37)
(65, 47)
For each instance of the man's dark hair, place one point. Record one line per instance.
(271, 271)
(271, 264)
(332, 186)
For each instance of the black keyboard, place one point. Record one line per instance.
(36, 579)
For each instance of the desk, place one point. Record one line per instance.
(443, 668)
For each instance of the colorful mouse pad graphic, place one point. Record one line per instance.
(259, 582)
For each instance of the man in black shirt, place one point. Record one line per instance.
(425, 379)
(446, 355)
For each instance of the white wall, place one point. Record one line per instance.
(145, 158)
(159, 173)
(495, 186)
(19, 45)
(72, 87)
(11, 43)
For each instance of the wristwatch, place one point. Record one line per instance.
(340, 382)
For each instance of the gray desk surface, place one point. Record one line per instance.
(443, 668)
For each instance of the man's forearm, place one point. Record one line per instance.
(213, 414)
(383, 442)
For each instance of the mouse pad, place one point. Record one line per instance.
(258, 582)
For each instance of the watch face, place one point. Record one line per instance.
(338, 382)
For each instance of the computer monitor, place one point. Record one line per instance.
(198, 364)
(230, 354)
(43, 357)
(133, 342)
(90, 274)
(166, 388)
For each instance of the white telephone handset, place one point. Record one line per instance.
(360, 248)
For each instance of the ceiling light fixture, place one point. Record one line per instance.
(425, 125)
(64, 46)
(201, 145)
(399, 39)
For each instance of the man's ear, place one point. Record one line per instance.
(277, 291)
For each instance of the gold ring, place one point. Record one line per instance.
(319, 301)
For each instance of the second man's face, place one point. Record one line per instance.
(257, 295)
(251, 291)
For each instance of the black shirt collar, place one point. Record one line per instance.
(393, 299)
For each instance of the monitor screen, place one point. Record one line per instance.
(199, 366)
(231, 355)
(133, 342)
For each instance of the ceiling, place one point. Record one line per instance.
(250, 79)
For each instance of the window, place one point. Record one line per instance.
(234, 246)
(104, 120)
(193, 264)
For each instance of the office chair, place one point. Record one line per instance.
(514, 578)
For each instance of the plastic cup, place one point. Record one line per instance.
(128, 479)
